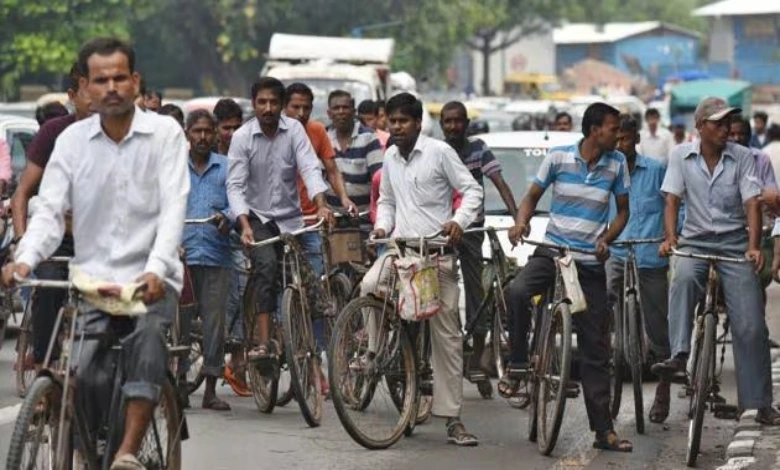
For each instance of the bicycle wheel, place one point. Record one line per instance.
(302, 357)
(264, 386)
(340, 291)
(194, 375)
(25, 370)
(35, 437)
(161, 447)
(618, 363)
(636, 360)
(359, 376)
(499, 336)
(701, 381)
(284, 391)
(554, 375)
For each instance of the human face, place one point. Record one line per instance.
(606, 134)
(652, 122)
(201, 137)
(760, 125)
(299, 107)
(715, 133)
(381, 119)
(738, 133)
(110, 84)
(225, 130)
(454, 124)
(81, 102)
(679, 131)
(341, 112)
(404, 129)
(563, 124)
(368, 120)
(268, 107)
(152, 103)
(626, 142)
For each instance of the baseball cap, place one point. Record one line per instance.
(678, 121)
(714, 109)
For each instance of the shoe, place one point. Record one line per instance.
(215, 404)
(239, 385)
(670, 367)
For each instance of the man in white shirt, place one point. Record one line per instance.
(123, 173)
(415, 199)
(656, 141)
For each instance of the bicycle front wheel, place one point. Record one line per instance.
(302, 357)
(340, 291)
(161, 447)
(25, 369)
(618, 363)
(636, 360)
(701, 382)
(554, 376)
(35, 440)
(264, 386)
(366, 354)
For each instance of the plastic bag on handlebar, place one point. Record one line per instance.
(571, 282)
(419, 295)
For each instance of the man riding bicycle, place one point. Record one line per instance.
(584, 177)
(720, 186)
(123, 173)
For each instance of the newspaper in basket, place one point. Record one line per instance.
(418, 287)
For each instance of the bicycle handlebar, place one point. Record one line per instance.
(58, 259)
(207, 220)
(271, 241)
(637, 241)
(427, 238)
(709, 258)
(43, 283)
(559, 248)
(486, 229)
(338, 215)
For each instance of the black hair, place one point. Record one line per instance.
(381, 104)
(141, 86)
(595, 115)
(405, 103)
(340, 94)
(49, 111)
(652, 112)
(268, 83)
(761, 115)
(197, 115)
(628, 123)
(455, 106)
(563, 114)
(173, 111)
(74, 75)
(104, 47)
(227, 108)
(773, 133)
(298, 88)
(745, 123)
(153, 93)
(368, 107)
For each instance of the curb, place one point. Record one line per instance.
(741, 451)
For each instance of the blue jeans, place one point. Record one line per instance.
(744, 303)
(312, 245)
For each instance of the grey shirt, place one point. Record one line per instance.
(263, 172)
(714, 203)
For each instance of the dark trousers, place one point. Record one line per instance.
(470, 256)
(46, 303)
(265, 266)
(592, 327)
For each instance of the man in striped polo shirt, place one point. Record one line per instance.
(358, 151)
(584, 177)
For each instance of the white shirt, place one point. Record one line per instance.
(128, 200)
(656, 146)
(415, 196)
(773, 151)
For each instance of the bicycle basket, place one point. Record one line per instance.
(346, 246)
(419, 296)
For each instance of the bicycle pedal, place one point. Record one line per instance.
(267, 366)
(725, 411)
(572, 390)
(476, 376)
(426, 387)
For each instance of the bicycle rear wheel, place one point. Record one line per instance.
(636, 360)
(554, 375)
(25, 370)
(302, 357)
(618, 362)
(161, 447)
(340, 291)
(35, 437)
(701, 382)
(264, 386)
(360, 376)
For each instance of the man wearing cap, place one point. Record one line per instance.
(719, 184)
(678, 130)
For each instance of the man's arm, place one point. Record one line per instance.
(374, 156)
(173, 185)
(385, 206)
(619, 222)
(754, 221)
(238, 172)
(671, 216)
(28, 186)
(335, 179)
(505, 191)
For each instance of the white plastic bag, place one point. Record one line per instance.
(571, 283)
(419, 297)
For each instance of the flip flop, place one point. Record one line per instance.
(611, 443)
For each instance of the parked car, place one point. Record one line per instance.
(18, 132)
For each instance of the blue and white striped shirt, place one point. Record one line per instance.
(579, 212)
(357, 164)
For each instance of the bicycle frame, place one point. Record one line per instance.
(500, 276)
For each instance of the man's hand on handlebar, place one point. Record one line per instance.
(325, 212)
(602, 250)
(377, 234)
(665, 250)
(757, 257)
(349, 206)
(153, 289)
(20, 269)
(247, 236)
(517, 233)
(453, 231)
(222, 223)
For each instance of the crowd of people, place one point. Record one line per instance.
(117, 180)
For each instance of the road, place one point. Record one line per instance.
(244, 438)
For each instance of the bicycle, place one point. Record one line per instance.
(378, 377)
(51, 424)
(630, 345)
(704, 383)
(550, 363)
(25, 369)
(496, 277)
(300, 349)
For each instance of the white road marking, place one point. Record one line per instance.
(8, 414)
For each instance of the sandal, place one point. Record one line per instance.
(768, 416)
(238, 384)
(660, 409)
(457, 434)
(215, 404)
(127, 462)
(610, 442)
(508, 386)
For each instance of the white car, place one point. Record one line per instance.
(18, 132)
(521, 154)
